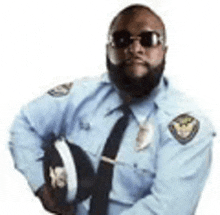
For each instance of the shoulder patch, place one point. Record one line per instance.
(184, 128)
(60, 90)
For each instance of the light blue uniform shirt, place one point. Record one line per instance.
(165, 177)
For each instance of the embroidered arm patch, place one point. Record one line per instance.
(61, 90)
(184, 128)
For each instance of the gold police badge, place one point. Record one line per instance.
(144, 137)
(184, 128)
(60, 90)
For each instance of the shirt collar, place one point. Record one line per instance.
(142, 108)
(105, 78)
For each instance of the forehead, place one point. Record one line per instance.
(137, 22)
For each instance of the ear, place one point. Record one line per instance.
(165, 50)
(107, 46)
(108, 49)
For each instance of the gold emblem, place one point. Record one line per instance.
(184, 128)
(144, 137)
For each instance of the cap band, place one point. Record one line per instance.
(68, 161)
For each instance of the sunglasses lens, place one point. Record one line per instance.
(147, 39)
(121, 39)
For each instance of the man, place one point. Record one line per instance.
(163, 160)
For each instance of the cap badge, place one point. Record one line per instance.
(58, 177)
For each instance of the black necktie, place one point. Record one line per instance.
(99, 201)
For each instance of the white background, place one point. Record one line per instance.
(48, 42)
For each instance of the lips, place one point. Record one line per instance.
(133, 61)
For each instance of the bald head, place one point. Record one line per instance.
(135, 10)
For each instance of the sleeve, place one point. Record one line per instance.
(182, 168)
(37, 125)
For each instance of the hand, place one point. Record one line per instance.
(50, 202)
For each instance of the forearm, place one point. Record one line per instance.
(50, 202)
(25, 146)
(31, 132)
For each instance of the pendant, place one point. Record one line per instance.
(144, 137)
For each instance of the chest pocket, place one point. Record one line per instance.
(84, 134)
(134, 171)
(90, 133)
(133, 176)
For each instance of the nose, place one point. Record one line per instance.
(135, 47)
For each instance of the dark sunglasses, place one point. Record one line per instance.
(122, 39)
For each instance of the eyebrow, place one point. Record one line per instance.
(144, 31)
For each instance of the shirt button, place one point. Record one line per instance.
(85, 125)
(135, 165)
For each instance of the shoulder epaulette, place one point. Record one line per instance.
(61, 90)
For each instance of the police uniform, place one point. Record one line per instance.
(164, 157)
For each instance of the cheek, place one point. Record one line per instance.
(116, 56)
(155, 57)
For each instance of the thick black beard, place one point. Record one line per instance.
(135, 87)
